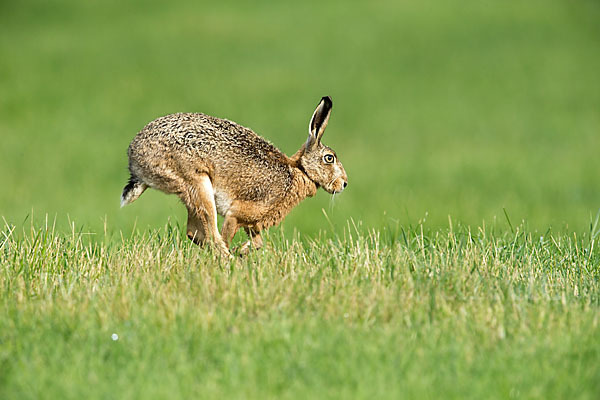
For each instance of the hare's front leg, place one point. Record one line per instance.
(255, 242)
(202, 214)
(230, 227)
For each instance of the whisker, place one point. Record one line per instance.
(332, 201)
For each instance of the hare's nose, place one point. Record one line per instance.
(345, 184)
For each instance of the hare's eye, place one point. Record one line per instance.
(328, 158)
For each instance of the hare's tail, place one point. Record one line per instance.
(132, 191)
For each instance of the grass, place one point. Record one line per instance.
(408, 312)
(462, 108)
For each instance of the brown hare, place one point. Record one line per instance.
(217, 166)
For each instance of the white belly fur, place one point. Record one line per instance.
(222, 201)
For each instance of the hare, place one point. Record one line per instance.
(217, 166)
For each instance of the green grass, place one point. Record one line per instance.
(473, 109)
(408, 313)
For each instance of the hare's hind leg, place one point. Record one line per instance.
(196, 229)
(199, 199)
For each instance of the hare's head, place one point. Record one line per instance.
(319, 161)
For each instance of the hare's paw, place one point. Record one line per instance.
(222, 250)
(245, 249)
(254, 244)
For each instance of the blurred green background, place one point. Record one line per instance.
(441, 108)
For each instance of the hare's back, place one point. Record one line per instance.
(200, 133)
(233, 151)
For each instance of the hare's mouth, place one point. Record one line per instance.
(336, 186)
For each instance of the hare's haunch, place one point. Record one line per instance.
(217, 166)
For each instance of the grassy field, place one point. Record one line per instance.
(461, 262)
(400, 314)
(440, 108)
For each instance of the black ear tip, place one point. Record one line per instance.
(328, 101)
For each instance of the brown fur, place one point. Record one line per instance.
(217, 166)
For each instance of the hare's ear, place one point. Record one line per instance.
(319, 121)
